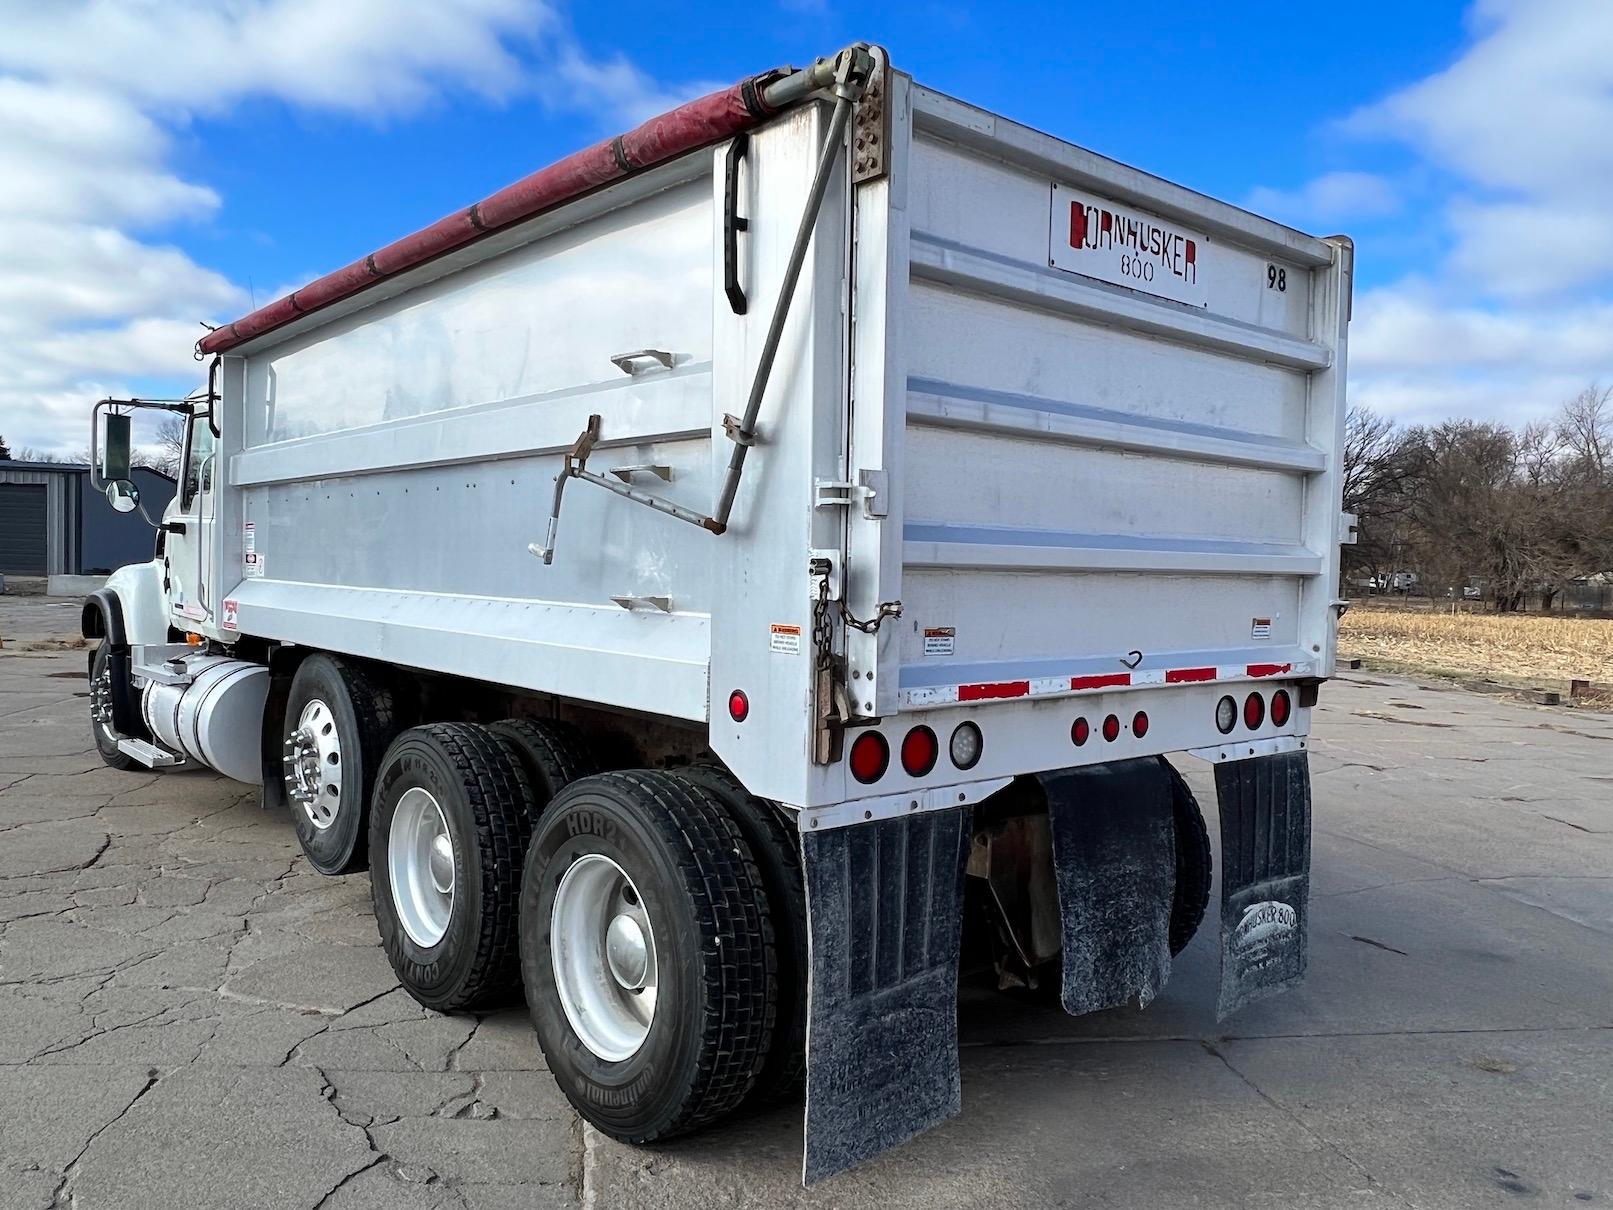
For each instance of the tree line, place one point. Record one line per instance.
(1519, 512)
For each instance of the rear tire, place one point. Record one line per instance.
(339, 720)
(552, 754)
(101, 691)
(1194, 863)
(664, 854)
(448, 831)
(777, 848)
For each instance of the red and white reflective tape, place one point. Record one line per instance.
(1065, 686)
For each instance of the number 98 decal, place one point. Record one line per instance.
(1276, 278)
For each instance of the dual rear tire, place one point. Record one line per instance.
(649, 954)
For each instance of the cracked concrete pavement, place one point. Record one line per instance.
(189, 1016)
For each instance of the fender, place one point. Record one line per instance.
(126, 611)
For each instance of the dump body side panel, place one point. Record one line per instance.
(397, 461)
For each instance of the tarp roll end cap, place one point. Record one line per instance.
(885, 914)
(1114, 863)
(1265, 805)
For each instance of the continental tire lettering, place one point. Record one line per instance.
(627, 1095)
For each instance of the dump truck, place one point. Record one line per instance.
(732, 578)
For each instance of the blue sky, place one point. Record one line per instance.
(177, 160)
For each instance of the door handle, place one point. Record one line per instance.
(174, 527)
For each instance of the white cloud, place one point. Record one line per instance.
(1521, 121)
(1513, 312)
(89, 93)
(1333, 197)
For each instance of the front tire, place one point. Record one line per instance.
(448, 831)
(339, 720)
(101, 693)
(640, 883)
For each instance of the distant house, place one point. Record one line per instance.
(53, 523)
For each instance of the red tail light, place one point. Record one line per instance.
(870, 757)
(738, 706)
(1080, 732)
(1111, 728)
(1254, 711)
(1280, 708)
(1139, 724)
(919, 751)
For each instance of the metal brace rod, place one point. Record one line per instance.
(850, 78)
(847, 74)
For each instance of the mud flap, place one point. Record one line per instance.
(1265, 807)
(885, 919)
(1114, 862)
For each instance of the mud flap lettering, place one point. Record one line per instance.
(885, 918)
(1265, 807)
(1114, 861)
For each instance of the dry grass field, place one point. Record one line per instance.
(1512, 648)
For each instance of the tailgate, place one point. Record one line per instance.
(1123, 404)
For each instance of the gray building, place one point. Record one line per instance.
(53, 523)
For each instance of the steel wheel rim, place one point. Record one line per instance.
(602, 948)
(314, 764)
(420, 867)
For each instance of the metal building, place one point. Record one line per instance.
(53, 523)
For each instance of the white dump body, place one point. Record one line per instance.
(1098, 479)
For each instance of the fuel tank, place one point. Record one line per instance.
(216, 718)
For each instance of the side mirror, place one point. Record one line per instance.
(122, 495)
(115, 460)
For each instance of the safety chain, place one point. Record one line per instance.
(887, 609)
(821, 638)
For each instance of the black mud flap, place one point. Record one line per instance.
(885, 919)
(1114, 862)
(1265, 806)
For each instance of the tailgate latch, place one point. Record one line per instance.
(872, 488)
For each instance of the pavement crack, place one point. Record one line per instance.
(63, 1194)
(1377, 945)
(1215, 1052)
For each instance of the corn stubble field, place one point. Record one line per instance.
(1515, 649)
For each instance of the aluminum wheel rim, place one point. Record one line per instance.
(603, 952)
(101, 702)
(314, 764)
(420, 867)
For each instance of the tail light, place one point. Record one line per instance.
(920, 749)
(1080, 732)
(1226, 715)
(1280, 708)
(870, 757)
(1111, 728)
(1139, 724)
(738, 706)
(1254, 711)
(965, 746)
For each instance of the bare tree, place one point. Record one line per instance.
(1382, 466)
(170, 446)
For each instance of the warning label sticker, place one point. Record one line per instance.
(229, 619)
(940, 640)
(1260, 628)
(784, 638)
(249, 537)
(252, 565)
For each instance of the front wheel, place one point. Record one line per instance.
(101, 693)
(647, 953)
